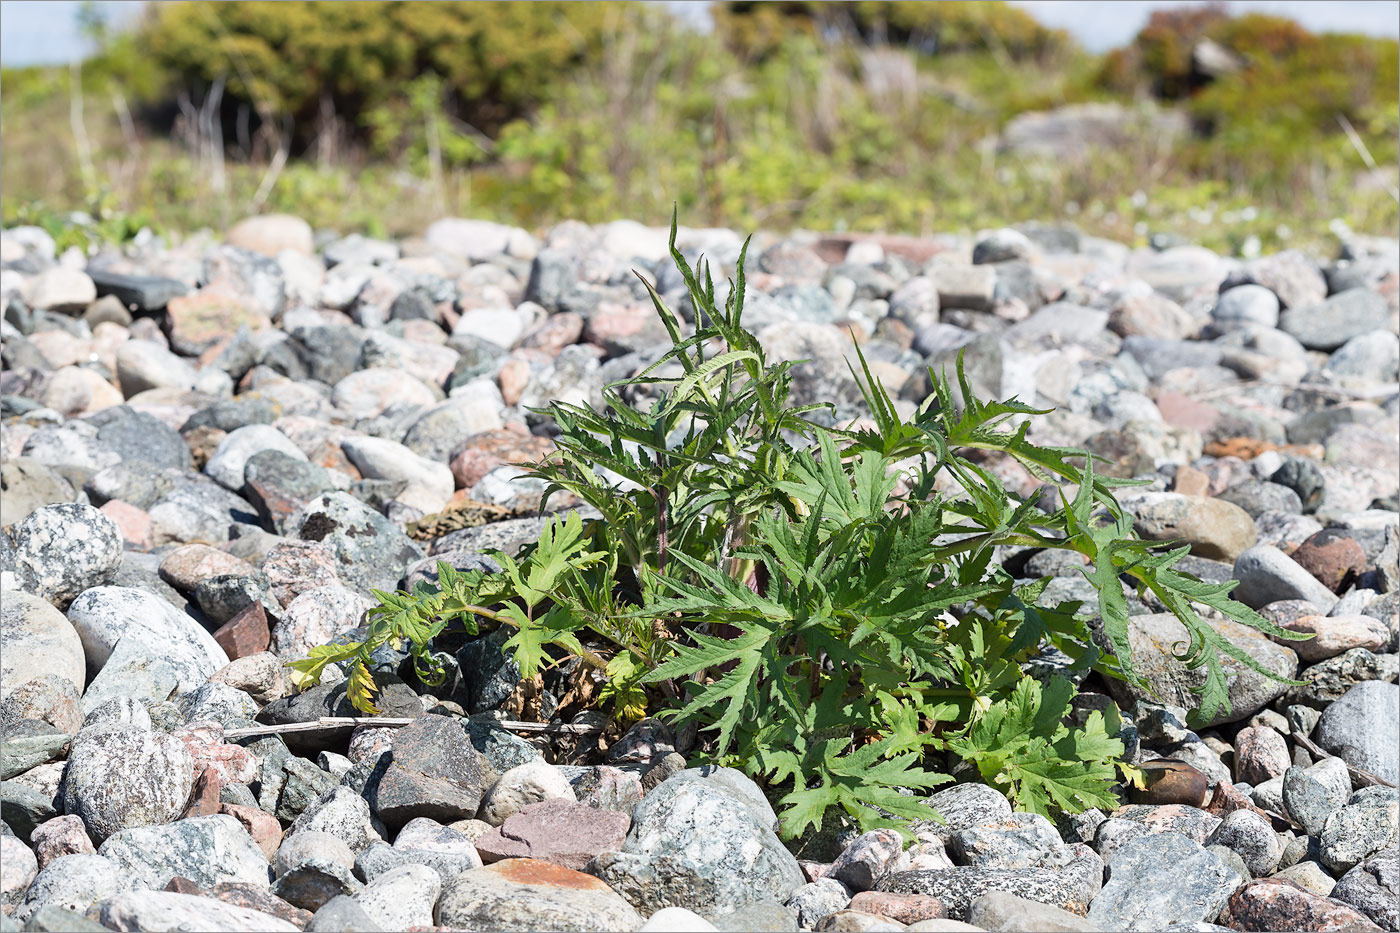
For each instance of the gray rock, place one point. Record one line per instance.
(958, 888)
(230, 458)
(862, 863)
(343, 814)
(75, 882)
(1152, 638)
(62, 550)
(654, 882)
(1245, 305)
(37, 641)
(1259, 496)
(19, 752)
(146, 293)
(28, 485)
(1366, 825)
(141, 437)
(1251, 837)
(1022, 840)
(50, 919)
(1268, 575)
(519, 894)
(157, 775)
(132, 672)
(699, 816)
(521, 786)
(1341, 317)
(760, 916)
(1328, 681)
(105, 614)
(166, 910)
(1363, 728)
(1373, 887)
(143, 365)
(342, 915)
(371, 550)
(304, 785)
(207, 850)
(1004, 911)
(402, 898)
(434, 773)
(1313, 794)
(1000, 246)
(1161, 879)
(962, 806)
(818, 899)
(447, 851)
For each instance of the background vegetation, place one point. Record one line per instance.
(378, 117)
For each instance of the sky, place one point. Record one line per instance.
(45, 31)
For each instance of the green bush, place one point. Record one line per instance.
(840, 628)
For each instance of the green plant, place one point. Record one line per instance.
(816, 597)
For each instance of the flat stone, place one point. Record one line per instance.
(1159, 879)
(1004, 911)
(558, 831)
(137, 911)
(1371, 887)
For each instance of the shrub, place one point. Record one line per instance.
(839, 626)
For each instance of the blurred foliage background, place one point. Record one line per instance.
(1239, 132)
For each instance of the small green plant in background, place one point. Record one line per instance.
(839, 627)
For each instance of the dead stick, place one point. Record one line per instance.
(328, 723)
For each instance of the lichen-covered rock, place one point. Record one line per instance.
(371, 551)
(62, 550)
(156, 774)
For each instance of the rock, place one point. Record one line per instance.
(726, 812)
(343, 814)
(342, 915)
(166, 910)
(261, 826)
(370, 392)
(1214, 528)
(1271, 904)
(1023, 840)
(676, 920)
(60, 836)
(1311, 795)
(402, 898)
(1334, 635)
(185, 567)
(105, 614)
(1160, 879)
(1308, 875)
(526, 894)
(158, 772)
(962, 806)
(1372, 888)
(605, 787)
(1361, 728)
(1362, 828)
(36, 641)
(652, 882)
(479, 240)
(61, 289)
(862, 863)
(1267, 575)
(1333, 557)
(1170, 782)
(557, 831)
(434, 773)
(244, 636)
(814, 900)
(1341, 317)
(315, 618)
(957, 888)
(1245, 306)
(521, 786)
(231, 457)
(1193, 823)
(430, 484)
(1251, 837)
(270, 234)
(312, 868)
(24, 808)
(1260, 754)
(1001, 910)
(62, 550)
(142, 365)
(395, 699)
(206, 849)
(28, 485)
(278, 483)
(370, 551)
(1001, 246)
(201, 320)
(18, 866)
(1152, 637)
(903, 908)
(446, 850)
(73, 882)
(1327, 681)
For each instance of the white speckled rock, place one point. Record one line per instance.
(402, 897)
(18, 866)
(75, 882)
(62, 550)
(36, 640)
(521, 786)
(156, 771)
(315, 617)
(104, 614)
(526, 894)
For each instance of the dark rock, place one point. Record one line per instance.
(141, 293)
(395, 699)
(435, 773)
